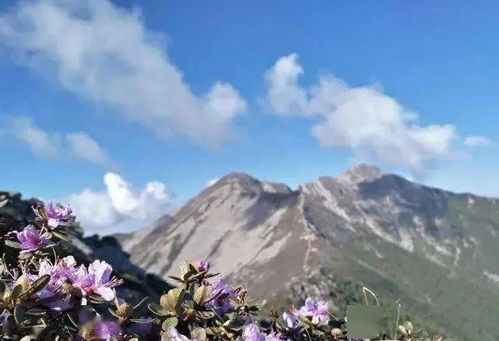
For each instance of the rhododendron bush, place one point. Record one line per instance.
(45, 296)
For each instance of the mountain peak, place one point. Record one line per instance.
(247, 181)
(240, 178)
(361, 172)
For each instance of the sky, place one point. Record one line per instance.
(127, 109)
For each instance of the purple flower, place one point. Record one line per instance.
(203, 265)
(103, 330)
(57, 214)
(252, 333)
(220, 296)
(318, 311)
(30, 239)
(173, 335)
(275, 337)
(106, 330)
(144, 328)
(95, 280)
(59, 273)
(4, 317)
(291, 318)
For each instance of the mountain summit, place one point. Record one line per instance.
(429, 248)
(360, 173)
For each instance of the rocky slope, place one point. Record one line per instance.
(434, 250)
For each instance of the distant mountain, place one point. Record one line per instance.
(436, 251)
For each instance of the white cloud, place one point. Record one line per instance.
(119, 208)
(43, 144)
(105, 54)
(477, 141)
(364, 119)
(83, 147)
(285, 95)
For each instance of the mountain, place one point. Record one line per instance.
(435, 250)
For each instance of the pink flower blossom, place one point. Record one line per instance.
(57, 214)
(103, 331)
(318, 311)
(291, 318)
(173, 335)
(252, 333)
(203, 265)
(59, 274)
(95, 280)
(220, 296)
(30, 239)
(106, 330)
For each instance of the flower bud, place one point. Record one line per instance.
(336, 333)
(124, 310)
(403, 331)
(203, 265)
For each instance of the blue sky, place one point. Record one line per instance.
(182, 92)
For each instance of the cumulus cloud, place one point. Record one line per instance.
(477, 141)
(363, 118)
(83, 147)
(105, 54)
(285, 95)
(43, 144)
(119, 208)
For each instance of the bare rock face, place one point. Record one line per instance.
(403, 240)
(235, 222)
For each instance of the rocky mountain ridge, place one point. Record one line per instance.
(404, 240)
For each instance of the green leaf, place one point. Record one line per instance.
(61, 235)
(158, 310)
(16, 292)
(198, 334)
(48, 300)
(72, 320)
(96, 299)
(4, 202)
(201, 294)
(306, 322)
(176, 278)
(13, 244)
(37, 285)
(141, 320)
(172, 300)
(141, 307)
(170, 322)
(113, 312)
(206, 314)
(19, 311)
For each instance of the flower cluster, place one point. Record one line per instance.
(46, 296)
(31, 239)
(316, 311)
(94, 281)
(55, 215)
